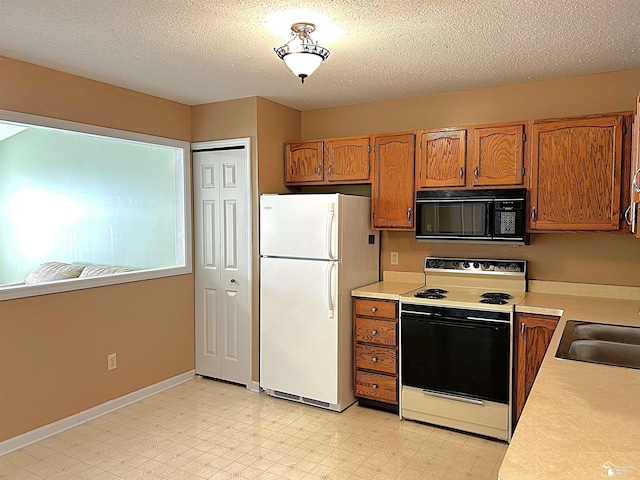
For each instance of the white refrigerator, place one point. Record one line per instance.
(314, 249)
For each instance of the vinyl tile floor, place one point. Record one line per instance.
(204, 429)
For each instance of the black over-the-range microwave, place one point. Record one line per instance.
(495, 215)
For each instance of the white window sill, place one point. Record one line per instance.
(21, 290)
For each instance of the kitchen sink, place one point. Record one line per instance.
(616, 345)
(609, 333)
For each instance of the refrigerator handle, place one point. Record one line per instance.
(330, 232)
(330, 289)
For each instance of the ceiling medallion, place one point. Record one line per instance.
(302, 54)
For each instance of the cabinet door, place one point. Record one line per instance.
(576, 173)
(635, 170)
(441, 159)
(496, 155)
(347, 160)
(303, 162)
(393, 188)
(534, 333)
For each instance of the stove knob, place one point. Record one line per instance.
(465, 265)
(441, 263)
(486, 266)
(456, 264)
(476, 265)
(513, 267)
(431, 263)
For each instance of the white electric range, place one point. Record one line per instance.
(456, 337)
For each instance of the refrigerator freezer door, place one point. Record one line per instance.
(299, 226)
(299, 328)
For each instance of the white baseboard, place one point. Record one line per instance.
(255, 387)
(79, 418)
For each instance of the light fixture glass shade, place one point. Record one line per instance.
(302, 63)
(301, 54)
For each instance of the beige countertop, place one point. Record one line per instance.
(385, 290)
(580, 418)
(392, 286)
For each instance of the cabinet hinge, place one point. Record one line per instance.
(368, 148)
(523, 170)
(624, 129)
(524, 137)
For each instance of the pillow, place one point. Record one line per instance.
(97, 271)
(52, 271)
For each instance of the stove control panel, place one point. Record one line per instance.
(471, 265)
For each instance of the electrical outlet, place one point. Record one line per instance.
(394, 258)
(111, 361)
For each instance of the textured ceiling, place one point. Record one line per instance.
(197, 51)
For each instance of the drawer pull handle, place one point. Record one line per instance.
(374, 359)
(374, 309)
(374, 332)
(374, 386)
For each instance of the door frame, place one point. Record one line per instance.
(246, 143)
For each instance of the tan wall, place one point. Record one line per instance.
(53, 348)
(225, 120)
(608, 92)
(28, 88)
(589, 258)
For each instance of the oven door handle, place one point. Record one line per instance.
(447, 322)
(458, 398)
(426, 314)
(492, 320)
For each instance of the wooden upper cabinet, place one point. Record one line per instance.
(341, 160)
(441, 159)
(347, 160)
(576, 173)
(496, 155)
(393, 176)
(303, 162)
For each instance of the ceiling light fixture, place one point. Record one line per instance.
(301, 54)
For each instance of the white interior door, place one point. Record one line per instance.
(222, 263)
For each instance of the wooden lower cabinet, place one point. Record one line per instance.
(532, 336)
(375, 334)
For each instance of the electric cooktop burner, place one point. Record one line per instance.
(435, 290)
(499, 295)
(494, 301)
(431, 295)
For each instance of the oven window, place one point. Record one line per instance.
(461, 357)
(456, 219)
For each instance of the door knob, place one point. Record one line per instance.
(233, 280)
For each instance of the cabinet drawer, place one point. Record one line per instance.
(380, 359)
(376, 386)
(375, 308)
(382, 332)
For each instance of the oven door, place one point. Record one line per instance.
(454, 219)
(466, 357)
